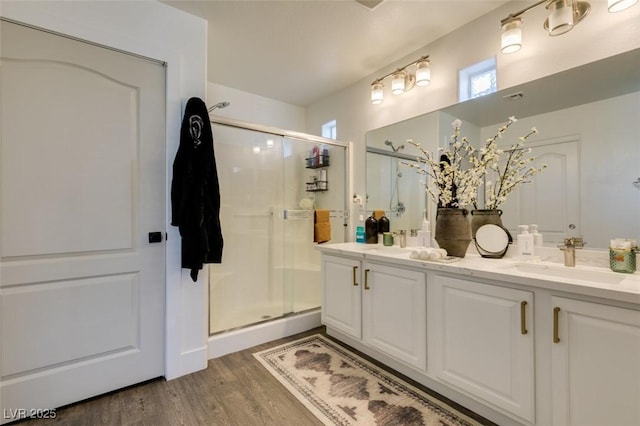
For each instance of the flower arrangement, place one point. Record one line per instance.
(453, 172)
(458, 172)
(517, 168)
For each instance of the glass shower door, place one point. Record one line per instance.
(314, 178)
(269, 191)
(248, 286)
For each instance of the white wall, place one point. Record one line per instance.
(161, 32)
(255, 109)
(602, 34)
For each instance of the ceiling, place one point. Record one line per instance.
(300, 51)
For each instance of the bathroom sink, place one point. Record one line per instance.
(585, 274)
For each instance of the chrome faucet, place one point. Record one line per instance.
(569, 249)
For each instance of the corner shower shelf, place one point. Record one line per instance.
(317, 186)
(322, 161)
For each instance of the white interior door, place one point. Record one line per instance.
(552, 198)
(82, 172)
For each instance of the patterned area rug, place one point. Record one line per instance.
(341, 388)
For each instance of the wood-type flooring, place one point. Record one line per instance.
(233, 390)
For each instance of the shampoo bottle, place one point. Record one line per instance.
(384, 224)
(537, 237)
(525, 242)
(371, 230)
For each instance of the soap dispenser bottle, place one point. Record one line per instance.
(424, 234)
(525, 242)
(371, 230)
(537, 237)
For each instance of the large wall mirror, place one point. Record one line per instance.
(588, 120)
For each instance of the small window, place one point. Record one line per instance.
(329, 130)
(478, 80)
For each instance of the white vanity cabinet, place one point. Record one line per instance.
(481, 341)
(515, 347)
(380, 305)
(394, 314)
(341, 297)
(595, 364)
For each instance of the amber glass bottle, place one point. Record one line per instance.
(371, 230)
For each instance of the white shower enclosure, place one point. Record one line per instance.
(270, 185)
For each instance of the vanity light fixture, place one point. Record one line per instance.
(562, 17)
(416, 73)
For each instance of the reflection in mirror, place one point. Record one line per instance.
(395, 184)
(589, 133)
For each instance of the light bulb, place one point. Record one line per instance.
(423, 73)
(397, 82)
(377, 95)
(511, 39)
(560, 16)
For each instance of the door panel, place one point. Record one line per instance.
(93, 147)
(479, 343)
(109, 323)
(394, 315)
(82, 171)
(342, 301)
(594, 368)
(552, 198)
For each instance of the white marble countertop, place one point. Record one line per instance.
(543, 272)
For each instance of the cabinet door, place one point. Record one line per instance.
(394, 313)
(481, 341)
(595, 364)
(342, 302)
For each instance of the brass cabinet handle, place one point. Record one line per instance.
(523, 317)
(556, 312)
(355, 273)
(366, 279)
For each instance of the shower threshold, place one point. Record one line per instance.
(240, 338)
(265, 319)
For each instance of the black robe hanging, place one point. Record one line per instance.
(195, 191)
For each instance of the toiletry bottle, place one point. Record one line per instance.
(412, 238)
(383, 224)
(537, 237)
(323, 180)
(525, 242)
(424, 234)
(402, 238)
(371, 230)
(360, 234)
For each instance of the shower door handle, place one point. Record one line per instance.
(355, 274)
